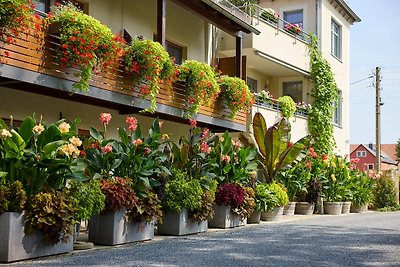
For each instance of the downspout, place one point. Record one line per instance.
(318, 21)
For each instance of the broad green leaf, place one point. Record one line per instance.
(74, 126)
(96, 135)
(123, 136)
(116, 163)
(25, 130)
(51, 148)
(3, 125)
(259, 131)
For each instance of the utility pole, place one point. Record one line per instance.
(378, 118)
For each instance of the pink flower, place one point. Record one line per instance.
(237, 145)
(204, 148)
(147, 151)
(137, 142)
(106, 149)
(204, 133)
(308, 165)
(324, 157)
(225, 158)
(132, 123)
(193, 122)
(105, 118)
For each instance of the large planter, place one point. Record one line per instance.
(224, 218)
(346, 207)
(113, 228)
(255, 217)
(333, 208)
(274, 215)
(304, 208)
(358, 208)
(180, 224)
(15, 245)
(289, 208)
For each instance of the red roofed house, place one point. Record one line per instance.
(367, 155)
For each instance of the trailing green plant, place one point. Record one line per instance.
(88, 196)
(325, 95)
(274, 147)
(206, 211)
(119, 194)
(182, 193)
(287, 105)
(52, 213)
(201, 85)
(265, 199)
(148, 208)
(150, 65)
(85, 41)
(385, 193)
(236, 93)
(12, 197)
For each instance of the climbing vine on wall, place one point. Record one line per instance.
(325, 98)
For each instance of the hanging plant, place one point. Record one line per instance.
(201, 85)
(148, 62)
(236, 93)
(85, 41)
(325, 96)
(287, 105)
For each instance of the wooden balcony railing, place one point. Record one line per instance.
(38, 54)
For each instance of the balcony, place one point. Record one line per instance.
(32, 66)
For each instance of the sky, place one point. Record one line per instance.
(375, 42)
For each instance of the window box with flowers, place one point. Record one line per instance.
(201, 85)
(86, 43)
(236, 94)
(150, 65)
(270, 15)
(293, 28)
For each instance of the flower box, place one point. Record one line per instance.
(224, 218)
(15, 245)
(180, 224)
(113, 228)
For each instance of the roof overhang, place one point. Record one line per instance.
(345, 11)
(230, 20)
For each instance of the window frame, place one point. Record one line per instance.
(293, 82)
(337, 117)
(336, 39)
(361, 154)
(293, 11)
(369, 165)
(250, 80)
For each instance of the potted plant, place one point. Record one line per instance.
(150, 65)
(85, 42)
(236, 94)
(275, 198)
(287, 106)
(186, 205)
(293, 28)
(270, 15)
(233, 204)
(362, 191)
(201, 85)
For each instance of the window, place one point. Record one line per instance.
(361, 154)
(294, 90)
(337, 115)
(336, 39)
(174, 51)
(294, 16)
(370, 166)
(252, 84)
(44, 5)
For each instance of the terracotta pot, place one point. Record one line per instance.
(289, 208)
(333, 208)
(346, 207)
(304, 208)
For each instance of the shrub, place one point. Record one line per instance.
(12, 198)
(287, 105)
(236, 93)
(230, 194)
(119, 193)
(385, 193)
(148, 208)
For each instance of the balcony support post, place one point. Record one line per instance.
(238, 58)
(161, 18)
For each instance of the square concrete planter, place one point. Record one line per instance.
(113, 228)
(15, 245)
(180, 224)
(255, 217)
(224, 218)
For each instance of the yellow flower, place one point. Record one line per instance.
(333, 178)
(68, 149)
(4, 134)
(165, 137)
(64, 127)
(38, 128)
(75, 141)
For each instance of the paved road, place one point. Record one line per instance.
(371, 239)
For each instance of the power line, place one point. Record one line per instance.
(369, 77)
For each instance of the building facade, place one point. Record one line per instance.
(367, 155)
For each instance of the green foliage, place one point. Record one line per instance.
(119, 194)
(385, 193)
(287, 105)
(296, 180)
(182, 193)
(362, 187)
(274, 147)
(249, 203)
(148, 208)
(52, 213)
(85, 41)
(88, 196)
(247, 6)
(206, 211)
(270, 195)
(325, 94)
(12, 198)
(148, 61)
(201, 85)
(398, 150)
(236, 93)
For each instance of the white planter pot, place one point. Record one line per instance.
(289, 208)
(15, 245)
(274, 215)
(333, 208)
(304, 208)
(113, 228)
(224, 218)
(180, 224)
(346, 207)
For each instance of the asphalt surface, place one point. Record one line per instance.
(369, 239)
